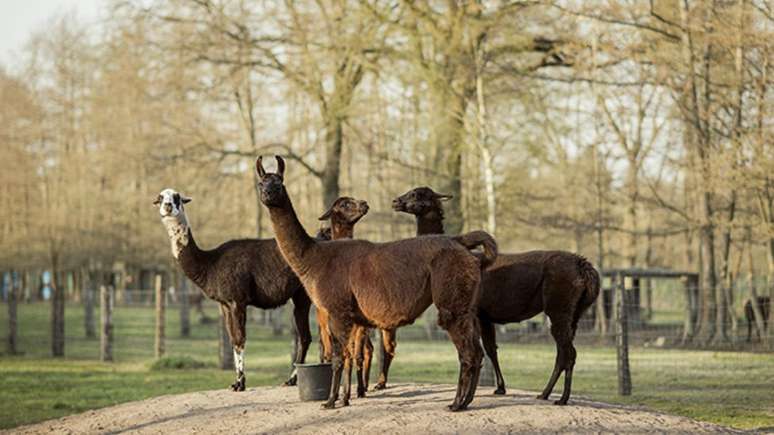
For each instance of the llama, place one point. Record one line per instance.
(764, 305)
(384, 285)
(236, 274)
(344, 213)
(520, 286)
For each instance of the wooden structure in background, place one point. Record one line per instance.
(626, 304)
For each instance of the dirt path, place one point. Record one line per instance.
(404, 408)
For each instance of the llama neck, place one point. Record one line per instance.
(178, 231)
(341, 230)
(292, 239)
(185, 250)
(430, 223)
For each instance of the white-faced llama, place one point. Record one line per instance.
(236, 274)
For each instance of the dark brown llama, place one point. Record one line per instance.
(764, 305)
(519, 286)
(344, 213)
(384, 285)
(236, 274)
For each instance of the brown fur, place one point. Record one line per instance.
(520, 286)
(344, 213)
(383, 285)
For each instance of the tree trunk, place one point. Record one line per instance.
(689, 324)
(709, 308)
(330, 176)
(57, 309)
(106, 321)
(448, 137)
(12, 318)
(759, 323)
(723, 290)
(88, 305)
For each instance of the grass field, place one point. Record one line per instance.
(729, 388)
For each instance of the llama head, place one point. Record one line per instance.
(270, 185)
(346, 209)
(420, 201)
(170, 203)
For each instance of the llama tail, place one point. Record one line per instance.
(591, 287)
(475, 239)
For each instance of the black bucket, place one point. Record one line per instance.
(314, 381)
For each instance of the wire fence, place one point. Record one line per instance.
(643, 332)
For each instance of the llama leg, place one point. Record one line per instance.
(565, 358)
(340, 332)
(326, 343)
(368, 354)
(347, 373)
(388, 352)
(357, 354)
(464, 332)
(235, 317)
(301, 305)
(488, 337)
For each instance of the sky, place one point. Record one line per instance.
(19, 18)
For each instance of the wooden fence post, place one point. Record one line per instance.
(622, 339)
(12, 319)
(106, 322)
(224, 346)
(160, 308)
(185, 306)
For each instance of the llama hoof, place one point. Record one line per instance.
(238, 386)
(345, 403)
(290, 382)
(560, 402)
(361, 394)
(500, 391)
(380, 386)
(328, 405)
(454, 407)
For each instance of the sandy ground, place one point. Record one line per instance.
(403, 408)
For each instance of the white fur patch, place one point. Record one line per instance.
(239, 361)
(177, 230)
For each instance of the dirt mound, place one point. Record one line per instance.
(404, 408)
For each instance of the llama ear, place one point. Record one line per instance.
(443, 197)
(280, 166)
(326, 215)
(259, 167)
(157, 201)
(185, 199)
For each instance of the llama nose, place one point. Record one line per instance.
(168, 208)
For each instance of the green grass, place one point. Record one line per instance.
(730, 388)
